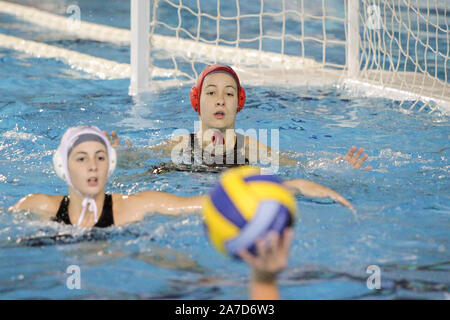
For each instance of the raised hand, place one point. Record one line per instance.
(114, 139)
(271, 258)
(355, 159)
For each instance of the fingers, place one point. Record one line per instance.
(355, 159)
(262, 249)
(344, 202)
(338, 198)
(278, 250)
(357, 155)
(350, 153)
(286, 241)
(107, 135)
(272, 243)
(271, 252)
(250, 259)
(115, 138)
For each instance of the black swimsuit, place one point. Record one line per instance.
(236, 156)
(105, 220)
(197, 166)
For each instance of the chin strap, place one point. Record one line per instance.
(218, 138)
(92, 208)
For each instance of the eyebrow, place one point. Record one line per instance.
(82, 152)
(228, 86)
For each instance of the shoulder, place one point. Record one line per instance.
(44, 205)
(251, 141)
(39, 201)
(180, 138)
(167, 145)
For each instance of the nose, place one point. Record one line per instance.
(93, 165)
(220, 101)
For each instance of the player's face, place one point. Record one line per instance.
(88, 167)
(218, 101)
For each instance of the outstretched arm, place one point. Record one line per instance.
(266, 154)
(164, 147)
(258, 151)
(315, 190)
(135, 207)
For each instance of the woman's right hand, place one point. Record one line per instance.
(271, 256)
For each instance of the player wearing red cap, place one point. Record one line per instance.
(217, 97)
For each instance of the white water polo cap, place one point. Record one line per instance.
(73, 137)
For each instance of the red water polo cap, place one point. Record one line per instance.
(197, 89)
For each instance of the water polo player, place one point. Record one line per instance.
(217, 97)
(85, 160)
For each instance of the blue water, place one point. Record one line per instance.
(403, 209)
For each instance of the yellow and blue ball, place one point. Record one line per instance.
(245, 206)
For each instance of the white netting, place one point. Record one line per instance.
(268, 39)
(405, 47)
(400, 48)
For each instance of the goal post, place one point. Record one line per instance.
(139, 46)
(353, 39)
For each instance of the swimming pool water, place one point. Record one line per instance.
(402, 222)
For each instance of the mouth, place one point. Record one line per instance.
(93, 182)
(219, 115)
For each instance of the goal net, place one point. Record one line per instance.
(404, 49)
(267, 41)
(393, 48)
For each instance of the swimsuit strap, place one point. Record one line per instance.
(62, 216)
(106, 218)
(246, 161)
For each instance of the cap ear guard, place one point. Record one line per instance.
(58, 165)
(195, 99)
(112, 161)
(241, 99)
